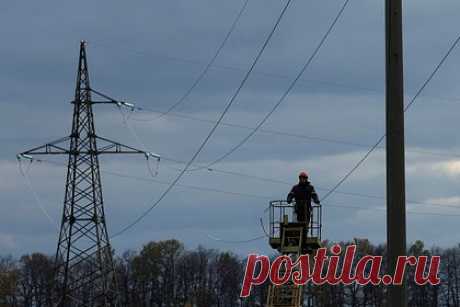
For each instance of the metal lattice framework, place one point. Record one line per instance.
(84, 266)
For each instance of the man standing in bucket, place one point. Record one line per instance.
(303, 193)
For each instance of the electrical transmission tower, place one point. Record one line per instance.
(85, 273)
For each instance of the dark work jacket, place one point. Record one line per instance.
(303, 195)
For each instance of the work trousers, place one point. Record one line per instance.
(303, 212)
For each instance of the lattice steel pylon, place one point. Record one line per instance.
(85, 273)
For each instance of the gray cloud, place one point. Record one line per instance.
(151, 52)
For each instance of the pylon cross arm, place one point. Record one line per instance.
(53, 148)
(110, 146)
(111, 100)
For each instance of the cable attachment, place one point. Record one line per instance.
(28, 182)
(128, 105)
(22, 156)
(149, 155)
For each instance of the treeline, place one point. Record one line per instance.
(164, 274)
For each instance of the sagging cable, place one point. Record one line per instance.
(235, 241)
(148, 154)
(29, 185)
(152, 172)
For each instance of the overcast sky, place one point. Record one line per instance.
(151, 52)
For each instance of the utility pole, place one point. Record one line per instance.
(396, 199)
(85, 273)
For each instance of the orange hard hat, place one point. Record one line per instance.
(303, 174)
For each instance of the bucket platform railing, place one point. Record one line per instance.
(284, 227)
(293, 238)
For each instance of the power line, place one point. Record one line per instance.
(384, 209)
(284, 182)
(277, 132)
(293, 135)
(264, 179)
(265, 74)
(427, 81)
(433, 73)
(145, 179)
(285, 94)
(380, 140)
(192, 187)
(35, 195)
(354, 194)
(200, 188)
(355, 167)
(203, 144)
(249, 176)
(227, 172)
(210, 63)
(236, 241)
(278, 181)
(265, 235)
(266, 197)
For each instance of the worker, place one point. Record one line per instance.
(303, 193)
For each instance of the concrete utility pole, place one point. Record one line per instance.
(396, 199)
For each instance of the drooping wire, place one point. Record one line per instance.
(34, 193)
(241, 194)
(210, 134)
(199, 188)
(131, 107)
(290, 134)
(266, 235)
(424, 85)
(236, 241)
(433, 73)
(267, 197)
(263, 227)
(253, 177)
(355, 167)
(285, 94)
(283, 182)
(125, 118)
(187, 186)
(265, 74)
(325, 206)
(207, 67)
